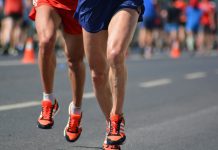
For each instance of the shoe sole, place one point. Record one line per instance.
(118, 148)
(119, 142)
(67, 138)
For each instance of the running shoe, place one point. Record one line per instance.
(116, 135)
(73, 129)
(46, 118)
(106, 146)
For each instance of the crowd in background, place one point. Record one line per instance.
(178, 25)
(15, 26)
(186, 25)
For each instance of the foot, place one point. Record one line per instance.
(73, 129)
(116, 135)
(46, 118)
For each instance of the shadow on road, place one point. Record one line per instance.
(88, 147)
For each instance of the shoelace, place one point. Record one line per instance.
(46, 112)
(73, 125)
(114, 127)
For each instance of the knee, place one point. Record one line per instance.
(75, 64)
(116, 57)
(46, 44)
(99, 77)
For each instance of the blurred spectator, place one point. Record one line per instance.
(181, 5)
(28, 25)
(208, 25)
(11, 26)
(1, 10)
(193, 15)
(1, 18)
(172, 24)
(146, 29)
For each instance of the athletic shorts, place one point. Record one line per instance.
(70, 24)
(14, 16)
(171, 27)
(206, 29)
(192, 28)
(149, 23)
(95, 15)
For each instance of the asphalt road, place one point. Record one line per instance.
(170, 105)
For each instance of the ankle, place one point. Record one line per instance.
(75, 110)
(48, 97)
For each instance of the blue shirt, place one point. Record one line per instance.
(193, 16)
(149, 9)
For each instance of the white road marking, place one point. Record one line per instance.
(195, 75)
(216, 71)
(19, 62)
(88, 95)
(34, 103)
(11, 63)
(155, 83)
(19, 105)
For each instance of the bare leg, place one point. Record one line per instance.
(47, 23)
(95, 49)
(7, 27)
(75, 53)
(121, 30)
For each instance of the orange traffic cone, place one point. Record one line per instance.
(29, 56)
(175, 53)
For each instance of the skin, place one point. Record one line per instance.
(106, 59)
(47, 23)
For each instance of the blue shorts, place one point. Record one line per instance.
(192, 28)
(95, 15)
(171, 27)
(149, 23)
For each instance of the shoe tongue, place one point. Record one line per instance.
(46, 103)
(115, 118)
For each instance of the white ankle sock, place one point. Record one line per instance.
(48, 97)
(75, 110)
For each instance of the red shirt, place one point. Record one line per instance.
(180, 4)
(207, 8)
(13, 6)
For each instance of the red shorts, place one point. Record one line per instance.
(66, 13)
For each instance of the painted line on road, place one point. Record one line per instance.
(195, 75)
(155, 83)
(35, 103)
(11, 63)
(88, 95)
(216, 71)
(19, 105)
(19, 62)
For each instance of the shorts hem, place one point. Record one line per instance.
(119, 9)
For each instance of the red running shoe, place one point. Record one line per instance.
(73, 129)
(116, 135)
(46, 118)
(106, 146)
